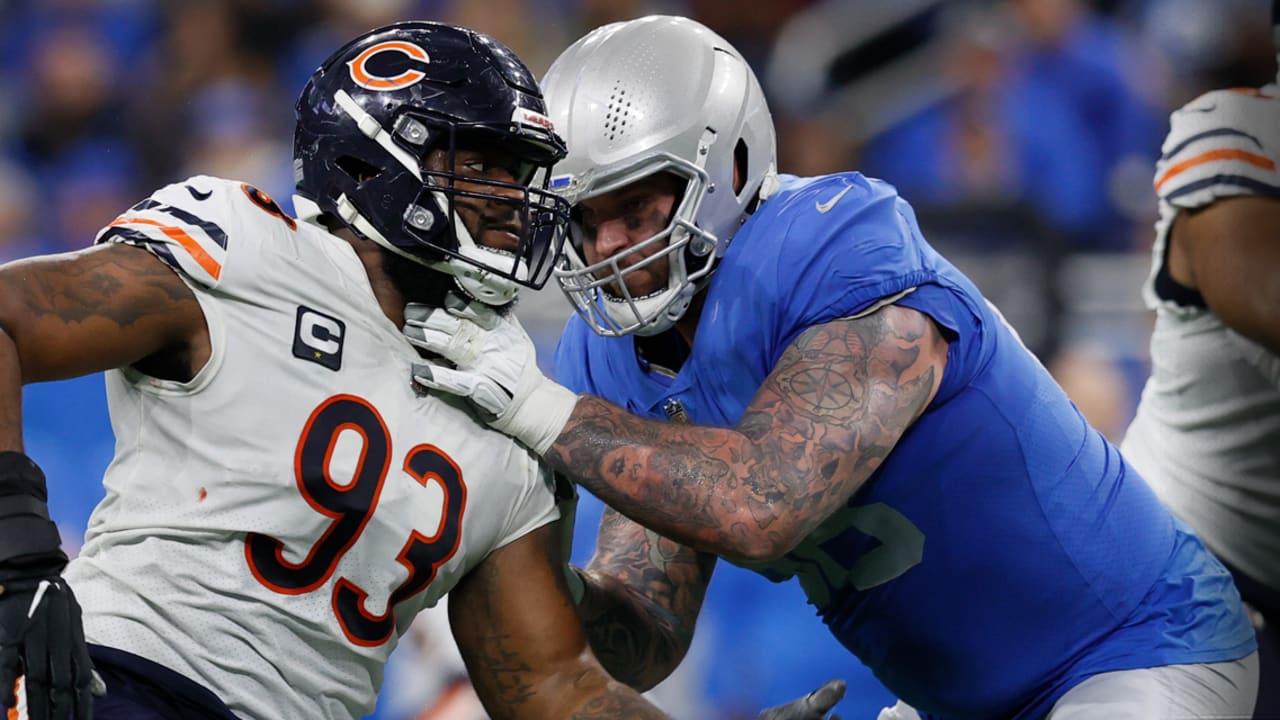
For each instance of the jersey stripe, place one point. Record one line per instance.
(214, 232)
(203, 258)
(1217, 132)
(1265, 163)
(1249, 183)
(133, 237)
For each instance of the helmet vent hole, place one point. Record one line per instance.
(618, 113)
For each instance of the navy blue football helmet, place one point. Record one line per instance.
(370, 115)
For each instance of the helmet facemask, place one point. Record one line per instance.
(599, 292)
(535, 218)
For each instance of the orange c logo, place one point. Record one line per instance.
(367, 79)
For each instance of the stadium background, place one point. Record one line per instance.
(1024, 131)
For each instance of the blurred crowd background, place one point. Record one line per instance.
(1025, 133)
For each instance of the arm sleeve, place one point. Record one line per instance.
(1225, 143)
(186, 225)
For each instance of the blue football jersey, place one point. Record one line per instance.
(1004, 551)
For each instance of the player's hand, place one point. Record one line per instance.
(487, 359)
(42, 640)
(813, 706)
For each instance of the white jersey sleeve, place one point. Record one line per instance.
(273, 525)
(1221, 144)
(173, 225)
(1225, 143)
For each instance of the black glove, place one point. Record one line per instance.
(813, 706)
(41, 634)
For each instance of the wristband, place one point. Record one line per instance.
(29, 541)
(538, 413)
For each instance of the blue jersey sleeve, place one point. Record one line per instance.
(835, 246)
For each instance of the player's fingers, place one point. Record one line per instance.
(97, 685)
(36, 680)
(430, 340)
(826, 697)
(425, 316)
(442, 322)
(475, 311)
(61, 673)
(9, 674)
(86, 679)
(438, 377)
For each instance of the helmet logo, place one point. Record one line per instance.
(525, 116)
(367, 77)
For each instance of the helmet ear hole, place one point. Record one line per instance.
(357, 169)
(740, 166)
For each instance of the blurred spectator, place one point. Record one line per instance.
(1109, 83)
(533, 35)
(426, 678)
(230, 137)
(69, 94)
(995, 144)
(1095, 383)
(812, 146)
(18, 232)
(336, 21)
(89, 187)
(1207, 45)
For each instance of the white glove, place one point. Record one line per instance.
(494, 367)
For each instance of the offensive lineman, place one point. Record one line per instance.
(865, 421)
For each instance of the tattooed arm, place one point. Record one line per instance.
(836, 403)
(523, 643)
(643, 594)
(68, 315)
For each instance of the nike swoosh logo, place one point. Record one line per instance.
(197, 194)
(824, 207)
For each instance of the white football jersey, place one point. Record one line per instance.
(1207, 431)
(272, 526)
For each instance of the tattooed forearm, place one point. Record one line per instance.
(643, 596)
(826, 417)
(618, 707)
(508, 674)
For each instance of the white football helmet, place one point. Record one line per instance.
(657, 94)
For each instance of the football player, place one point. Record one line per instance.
(283, 501)
(863, 420)
(1207, 430)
